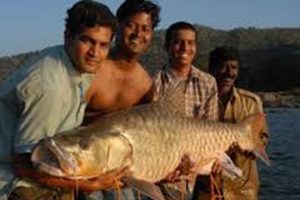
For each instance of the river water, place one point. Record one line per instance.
(282, 180)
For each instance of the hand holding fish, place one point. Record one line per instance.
(151, 140)
(110, 180)
(216, 168)
(236, 148)
(183, 171)
(23, 168)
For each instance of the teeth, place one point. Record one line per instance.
(185, 55)
(134, 42)
(227, 79)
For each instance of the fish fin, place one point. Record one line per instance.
(257, 122)
(229, 169)
(146, 188)
(173, 97)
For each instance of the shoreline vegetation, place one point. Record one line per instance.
(270, 60)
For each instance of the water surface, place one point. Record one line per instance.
(282, 180)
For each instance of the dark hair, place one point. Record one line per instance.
(88, 13)
(176, 27)
(221, 54)
(130, 7)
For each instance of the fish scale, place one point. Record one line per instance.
(189, 136)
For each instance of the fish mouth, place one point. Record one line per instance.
(49, 157)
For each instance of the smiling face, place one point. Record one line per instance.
(89, 48)
(182, 47)
(135, 34)
(225, 75)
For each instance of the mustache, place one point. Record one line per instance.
(91, 58)
(228, 76)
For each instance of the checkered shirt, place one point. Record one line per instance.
(201, 98)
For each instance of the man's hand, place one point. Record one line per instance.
(23, 168)
(216, 168)
(183, 171)
(111, 180)
(236, 148)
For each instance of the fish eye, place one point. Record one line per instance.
(84, 144)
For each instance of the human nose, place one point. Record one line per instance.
(138, 31)
(229, 71)
(93, 51)
(184, 46)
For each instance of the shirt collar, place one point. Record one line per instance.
(173, 75)
(234, 95)
(232, 98)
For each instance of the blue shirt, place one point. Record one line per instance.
(44, 97)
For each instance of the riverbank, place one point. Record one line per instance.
(285, 99)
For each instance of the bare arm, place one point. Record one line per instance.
(149, 95)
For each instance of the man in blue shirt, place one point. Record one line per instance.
(46, 95)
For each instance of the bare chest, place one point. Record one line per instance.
(117, 93)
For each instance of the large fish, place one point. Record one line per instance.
(150, 139)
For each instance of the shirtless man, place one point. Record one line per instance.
(121, 81)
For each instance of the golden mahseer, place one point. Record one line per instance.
(149, 139)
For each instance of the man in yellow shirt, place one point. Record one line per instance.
(235, 105)
(122, 82)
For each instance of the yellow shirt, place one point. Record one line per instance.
(242, 104)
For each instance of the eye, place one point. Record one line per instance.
(147, 29)
(84, 144)
(176, 42)
(131, 25)
(104, 45)
(85, 39)
(191, 42)
(234, 66)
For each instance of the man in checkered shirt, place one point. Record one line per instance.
(201, 98)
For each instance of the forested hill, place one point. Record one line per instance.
(270, 57)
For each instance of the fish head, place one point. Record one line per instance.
(82, 155)
(70, 157)
(49, 157)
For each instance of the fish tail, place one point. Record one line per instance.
(257, 122)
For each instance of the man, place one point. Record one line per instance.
(201, 100)
(122, 82)
(201, 90)
(46, 95)
(235, 105)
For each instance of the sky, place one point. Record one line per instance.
(30, 25)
